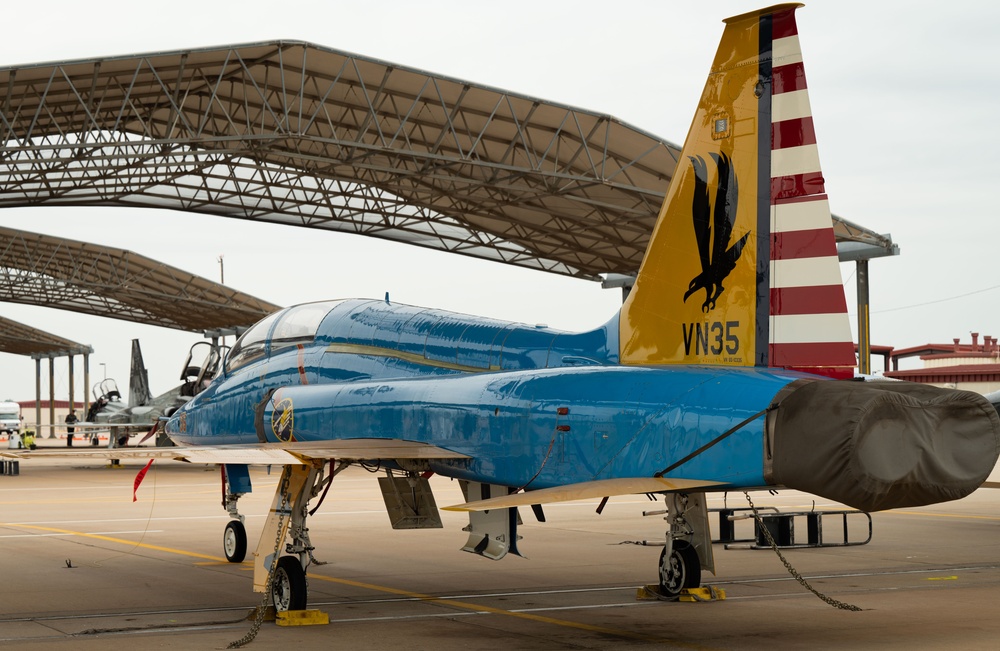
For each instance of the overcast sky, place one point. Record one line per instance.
(905, 98)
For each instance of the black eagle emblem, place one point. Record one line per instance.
(713, 229)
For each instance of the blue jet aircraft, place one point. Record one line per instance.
(727, 368)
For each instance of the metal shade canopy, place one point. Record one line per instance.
(19, 339)
(294, 133)
(70, 275)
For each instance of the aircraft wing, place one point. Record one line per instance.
(993, 481)
(585, 490)
(258, 454)
(85, 427)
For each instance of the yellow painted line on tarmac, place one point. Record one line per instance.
(500, 611)
(110, 499)
(462, 605)
(955, 516)
(121, 541)
(942, 578)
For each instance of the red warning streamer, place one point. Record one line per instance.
(138, 479)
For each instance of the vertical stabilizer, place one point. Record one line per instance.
(742, 266)
(138, 382)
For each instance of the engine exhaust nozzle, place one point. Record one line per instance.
(881, 445)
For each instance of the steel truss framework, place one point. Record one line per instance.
(292, 133)
(66, 274)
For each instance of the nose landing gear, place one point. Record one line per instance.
(284, 575)
(289, 588)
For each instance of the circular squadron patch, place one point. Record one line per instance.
(283, 420)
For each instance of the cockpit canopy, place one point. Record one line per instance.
(289, 327)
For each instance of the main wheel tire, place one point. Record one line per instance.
(234, 542)
(682, 570)
(288, 587)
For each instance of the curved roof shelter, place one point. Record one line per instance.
(99, 280)
(19, 339)
(70, 275)
(293, 133)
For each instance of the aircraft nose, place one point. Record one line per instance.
(881, 445)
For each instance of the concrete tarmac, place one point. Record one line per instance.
(83, 567)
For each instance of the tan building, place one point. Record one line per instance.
(972, 367)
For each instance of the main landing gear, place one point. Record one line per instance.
(281, 574)
(680, 570)
(234, 542)
(688, 546)
(235, 484)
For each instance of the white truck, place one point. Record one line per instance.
(10, 417)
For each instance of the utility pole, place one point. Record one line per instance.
(222, 281)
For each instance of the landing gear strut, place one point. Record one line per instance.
(286, 574)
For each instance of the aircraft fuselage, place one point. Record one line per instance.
(527, 404)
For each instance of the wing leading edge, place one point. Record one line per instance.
(585, 490)
(259, 454)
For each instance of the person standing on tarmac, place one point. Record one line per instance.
(71, 420)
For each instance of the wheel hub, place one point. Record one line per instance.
(672, 573)
(282, 590)
(230, 542)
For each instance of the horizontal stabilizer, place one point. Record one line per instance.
(585, 490)
(259, 453)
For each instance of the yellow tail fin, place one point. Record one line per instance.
(742, 266)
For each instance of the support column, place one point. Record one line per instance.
(52, 394)
(864, 327)
(86, 384)
(72, 387)
(38, 400)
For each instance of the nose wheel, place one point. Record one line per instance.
(234, 541)
(288, 587)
